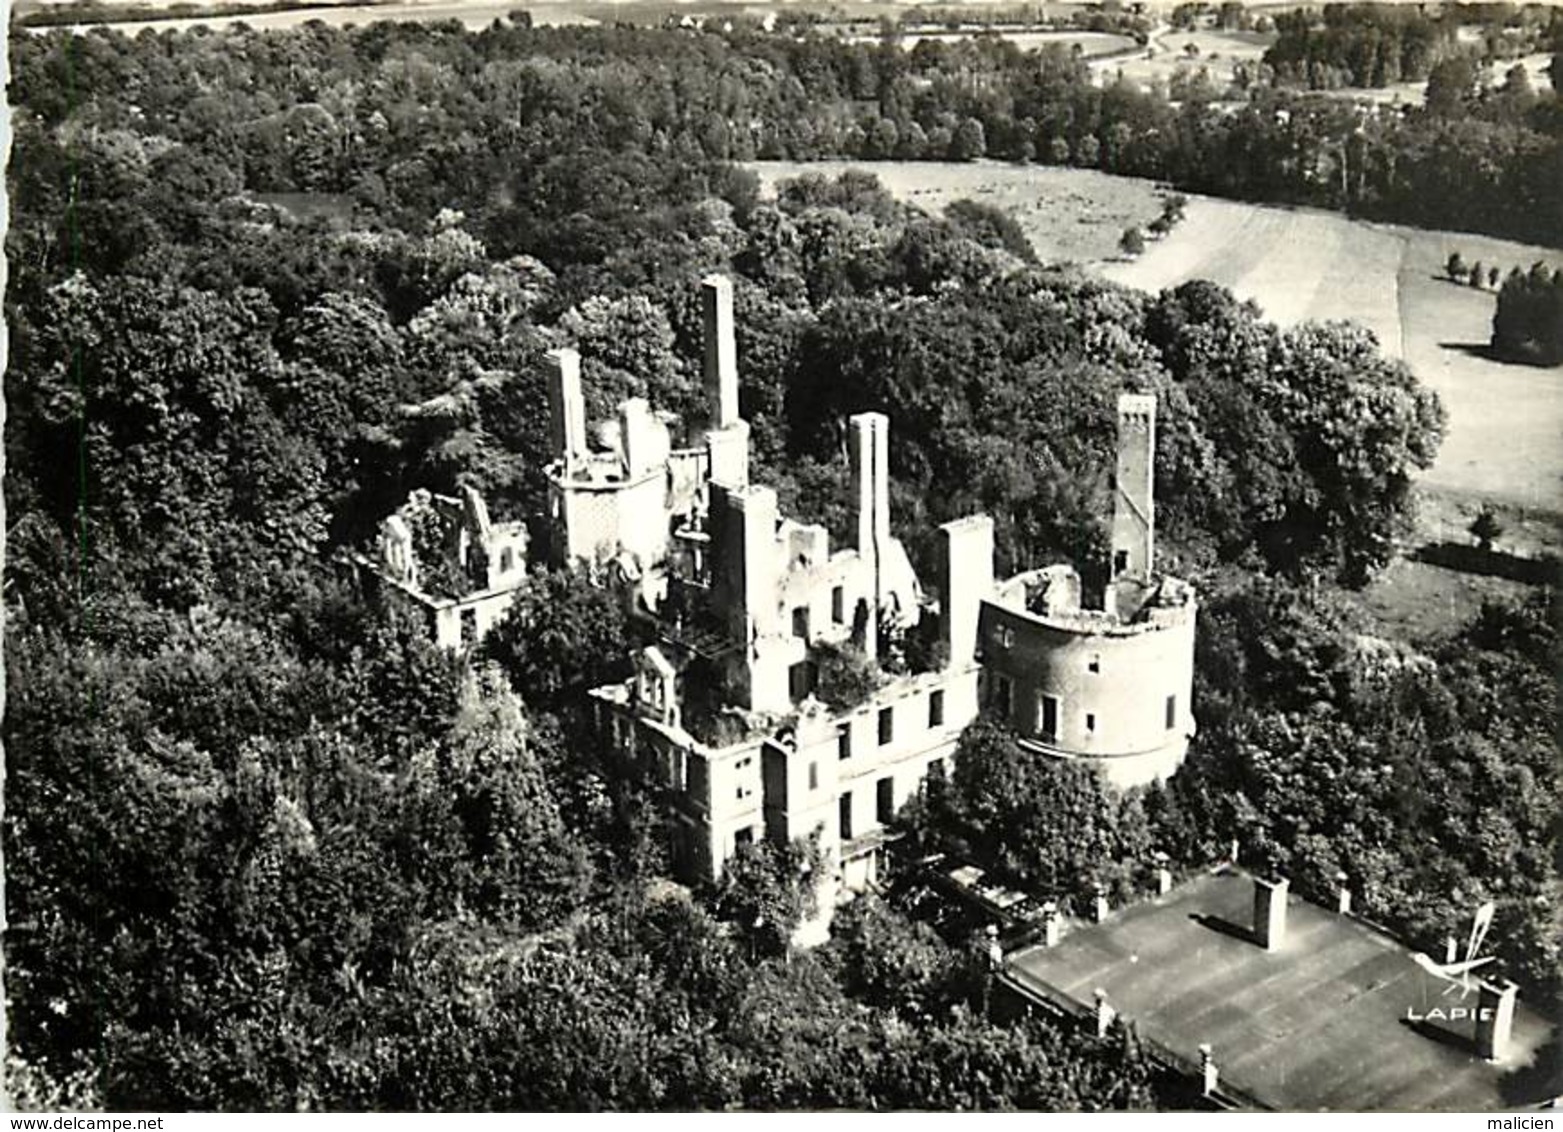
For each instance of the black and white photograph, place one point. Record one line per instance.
(782, 556)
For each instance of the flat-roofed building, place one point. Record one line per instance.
(1282, 1004)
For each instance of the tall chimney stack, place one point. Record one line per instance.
(1270, 912)
(721, 350)
(871, 488)
(965, 578)
(743, 527)
(566, 406)
(1134, 500)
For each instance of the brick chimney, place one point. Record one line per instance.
(1209, 1074)
(1495, 1019)
(1163, 874)
(1104, 1013)
(1270, 912)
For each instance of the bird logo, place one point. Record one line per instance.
(1460, 975)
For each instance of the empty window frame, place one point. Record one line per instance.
(1000, 692)
(1049, 726)
(801, 680)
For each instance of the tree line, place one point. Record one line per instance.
(267, 847)
(418, 117)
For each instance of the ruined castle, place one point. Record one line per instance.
(752, 609)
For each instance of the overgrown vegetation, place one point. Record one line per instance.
(268, 849)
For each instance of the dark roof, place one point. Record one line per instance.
(1321, 1023)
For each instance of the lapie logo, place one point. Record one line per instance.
(1459, 976)
(1451, 1014)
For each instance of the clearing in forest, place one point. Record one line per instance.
(1504, 442)
(1505, 436)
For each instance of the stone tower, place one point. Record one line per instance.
(1134, 501)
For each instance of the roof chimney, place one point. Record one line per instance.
(1495, 1019)
(1104, 1013)
(721, 350)
(1050, 924)
(1163, 873)
(1270, 912)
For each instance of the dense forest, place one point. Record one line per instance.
(402, 123)
(267, 848)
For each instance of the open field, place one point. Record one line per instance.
(1423, 603)
(1416, 600)
(473, 14)
(1504, 442)
(1217, 52)
(1073, 214)
(477, 14)
(1091, 43)
(1505, 434)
